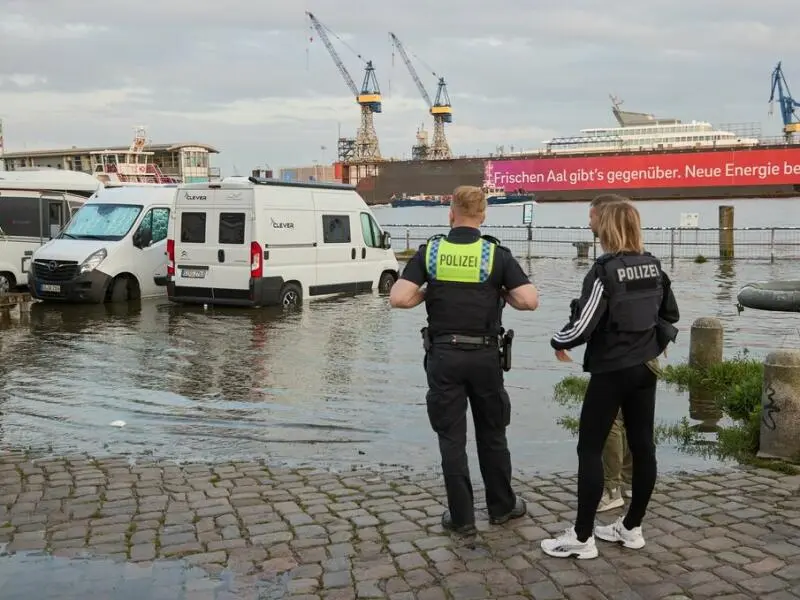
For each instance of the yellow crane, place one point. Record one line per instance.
(368, 97)
(440, 109)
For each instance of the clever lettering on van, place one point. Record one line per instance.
(281, 224)
(196, 197)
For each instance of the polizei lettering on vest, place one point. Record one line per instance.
(458, 260)
(637, 272)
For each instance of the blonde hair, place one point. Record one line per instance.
(469, 201)
(606, 199)
(619, 228)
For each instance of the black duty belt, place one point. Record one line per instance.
(469, 340)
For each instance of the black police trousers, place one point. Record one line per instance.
(634, 390)
(455, 374)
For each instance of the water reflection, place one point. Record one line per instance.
(703, 409)
(29, 575)
(214, 353)
(726, 280)
(339, 382)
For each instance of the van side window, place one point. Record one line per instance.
(370, 230)
(20, 216)
(156, 221)
(193, 227)
(231, 228)
(160, 224)
(336, 229)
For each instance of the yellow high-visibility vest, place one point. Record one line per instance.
(459, 263)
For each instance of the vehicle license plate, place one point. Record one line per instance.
(49, 287)
(193, 273)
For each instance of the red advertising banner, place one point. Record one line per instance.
(690, 169)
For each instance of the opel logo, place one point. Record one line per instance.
(52, 265)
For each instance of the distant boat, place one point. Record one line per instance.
(497, 195)
(401, 201)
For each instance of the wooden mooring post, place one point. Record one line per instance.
(726, 239)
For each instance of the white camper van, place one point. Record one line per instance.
(268, 242)
(114, 248)
(34, 206)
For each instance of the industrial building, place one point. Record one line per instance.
(321, 173)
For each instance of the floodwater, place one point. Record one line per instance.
(783, 212)
(335, 384)
(42, 576)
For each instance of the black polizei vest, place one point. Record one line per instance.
(463, 307)
(634, 289)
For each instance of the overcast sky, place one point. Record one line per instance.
(242, 76)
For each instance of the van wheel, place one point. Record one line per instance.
(386, 282)
(119, 290)
(7, 283)
(291, 295)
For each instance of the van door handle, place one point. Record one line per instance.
(363, 253)
(353, 253)
(221, 255)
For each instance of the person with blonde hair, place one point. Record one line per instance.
(624, 316)
(469, 277)
(617, 463)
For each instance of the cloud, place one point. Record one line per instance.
(17, 26)
(278, 110)
(21, 80)
(246, 77)
(59, 105)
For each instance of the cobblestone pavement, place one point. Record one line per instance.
(78, 528)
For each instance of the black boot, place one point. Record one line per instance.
(447, 524)
(520, 510)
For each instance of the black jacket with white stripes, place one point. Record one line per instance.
(611, 350)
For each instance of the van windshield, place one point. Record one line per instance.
(102, 222)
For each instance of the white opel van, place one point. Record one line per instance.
(114, 248)
(266, 242)
(35, 204)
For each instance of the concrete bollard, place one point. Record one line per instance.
(705, 343)
(705, 349)
(780, 406)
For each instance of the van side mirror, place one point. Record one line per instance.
(386, 240)
(142, 238)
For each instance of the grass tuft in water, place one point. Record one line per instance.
(735, 386)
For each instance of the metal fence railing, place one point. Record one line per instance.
(753, 243)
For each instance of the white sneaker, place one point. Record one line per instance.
(567, 545)
(616, 532)
(610, 500)
(628, 492)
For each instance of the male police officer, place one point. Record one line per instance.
(469, 278)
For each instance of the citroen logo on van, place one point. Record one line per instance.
(52, 265)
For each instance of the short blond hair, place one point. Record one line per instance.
(619, 228)
(469, 201)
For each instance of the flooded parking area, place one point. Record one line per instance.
(337, 384)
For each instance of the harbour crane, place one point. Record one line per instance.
(788, 105)
(440, 109)
(368, 97)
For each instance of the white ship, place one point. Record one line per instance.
(645, 132)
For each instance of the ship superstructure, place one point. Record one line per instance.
(645, 132)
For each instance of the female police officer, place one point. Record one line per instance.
(625, 307)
